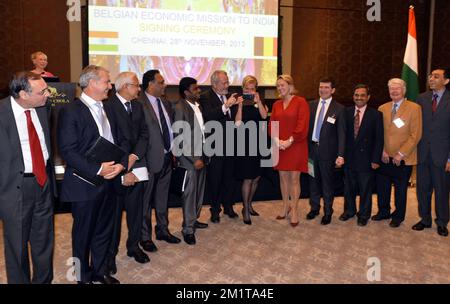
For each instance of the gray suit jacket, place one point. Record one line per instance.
(11, 158)
(155, 150)
(436, 129)
(194, 142)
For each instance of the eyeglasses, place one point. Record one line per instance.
(43, 92)
(133, 84)
(435, 76)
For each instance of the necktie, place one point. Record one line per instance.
(128, 106)
(320, 121)
(104, 122)
(356, 124)
(434, 103)
(37, 157)
(394, 111)
(222, 98)
(164, 127)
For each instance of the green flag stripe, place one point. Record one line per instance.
(103, 48)
(412, 82)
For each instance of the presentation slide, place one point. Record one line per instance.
(186, 38)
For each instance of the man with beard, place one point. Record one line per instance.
(216, 104)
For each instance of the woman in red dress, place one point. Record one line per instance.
(288, 128)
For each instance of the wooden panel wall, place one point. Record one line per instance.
(28, 26)
(333, 38)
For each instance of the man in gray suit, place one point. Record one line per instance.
(433, 153)
(27, 180)
(159, 117)
(188, 148)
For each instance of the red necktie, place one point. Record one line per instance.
(37, 157)
(434, 103)
(356, 124)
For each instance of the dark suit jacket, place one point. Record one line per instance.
(367, 147)
(184, 112)
(436, 129)
(77, 132)
(212, 111)
(332, 136)
(11, 158)
(155, 150)
(133, 128)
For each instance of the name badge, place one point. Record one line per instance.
(398, 122)
(331, 120)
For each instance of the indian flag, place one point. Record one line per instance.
(410, 69)
(103, 41)
(266, 46)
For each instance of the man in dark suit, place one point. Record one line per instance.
(158, 115)
(433, 152)
(216, 104)
(326, 148)
(89, 184)
(188, 147)
(129, 116)
(363, 148)
(27, 180)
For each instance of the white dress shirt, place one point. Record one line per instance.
(327, 104)
(90, 103)
(198, 115)
(361, 113)
(123, 101)
(22, 128)
(154, 102)
(224, 108)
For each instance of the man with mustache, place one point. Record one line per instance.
(363, 148)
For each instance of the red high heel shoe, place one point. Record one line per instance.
(279, 217)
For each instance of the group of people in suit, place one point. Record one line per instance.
(373, 146)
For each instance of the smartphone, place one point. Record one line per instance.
(248, 96)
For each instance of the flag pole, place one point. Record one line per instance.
(430, 38)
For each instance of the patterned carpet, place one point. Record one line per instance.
(271, 251)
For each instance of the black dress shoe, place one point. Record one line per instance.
(106, 279)
(442, 230)
(326, 219)
(215, 218)
(312, 214)
(199, 225)
(380, 217)
(139, 256)
(362, 222)
(230, 212)
(189, 239)
(148, 246)
(169, 238)
(345, 217)
(394, 224)
(111, 265)
(420, 226)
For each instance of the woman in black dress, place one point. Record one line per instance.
(248, 167)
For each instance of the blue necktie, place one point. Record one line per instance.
(320, 121)
(164, 127)
(394, 111)
(128, 107)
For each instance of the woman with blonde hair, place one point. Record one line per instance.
(40, 62)
(288, 128)
(248, 167)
